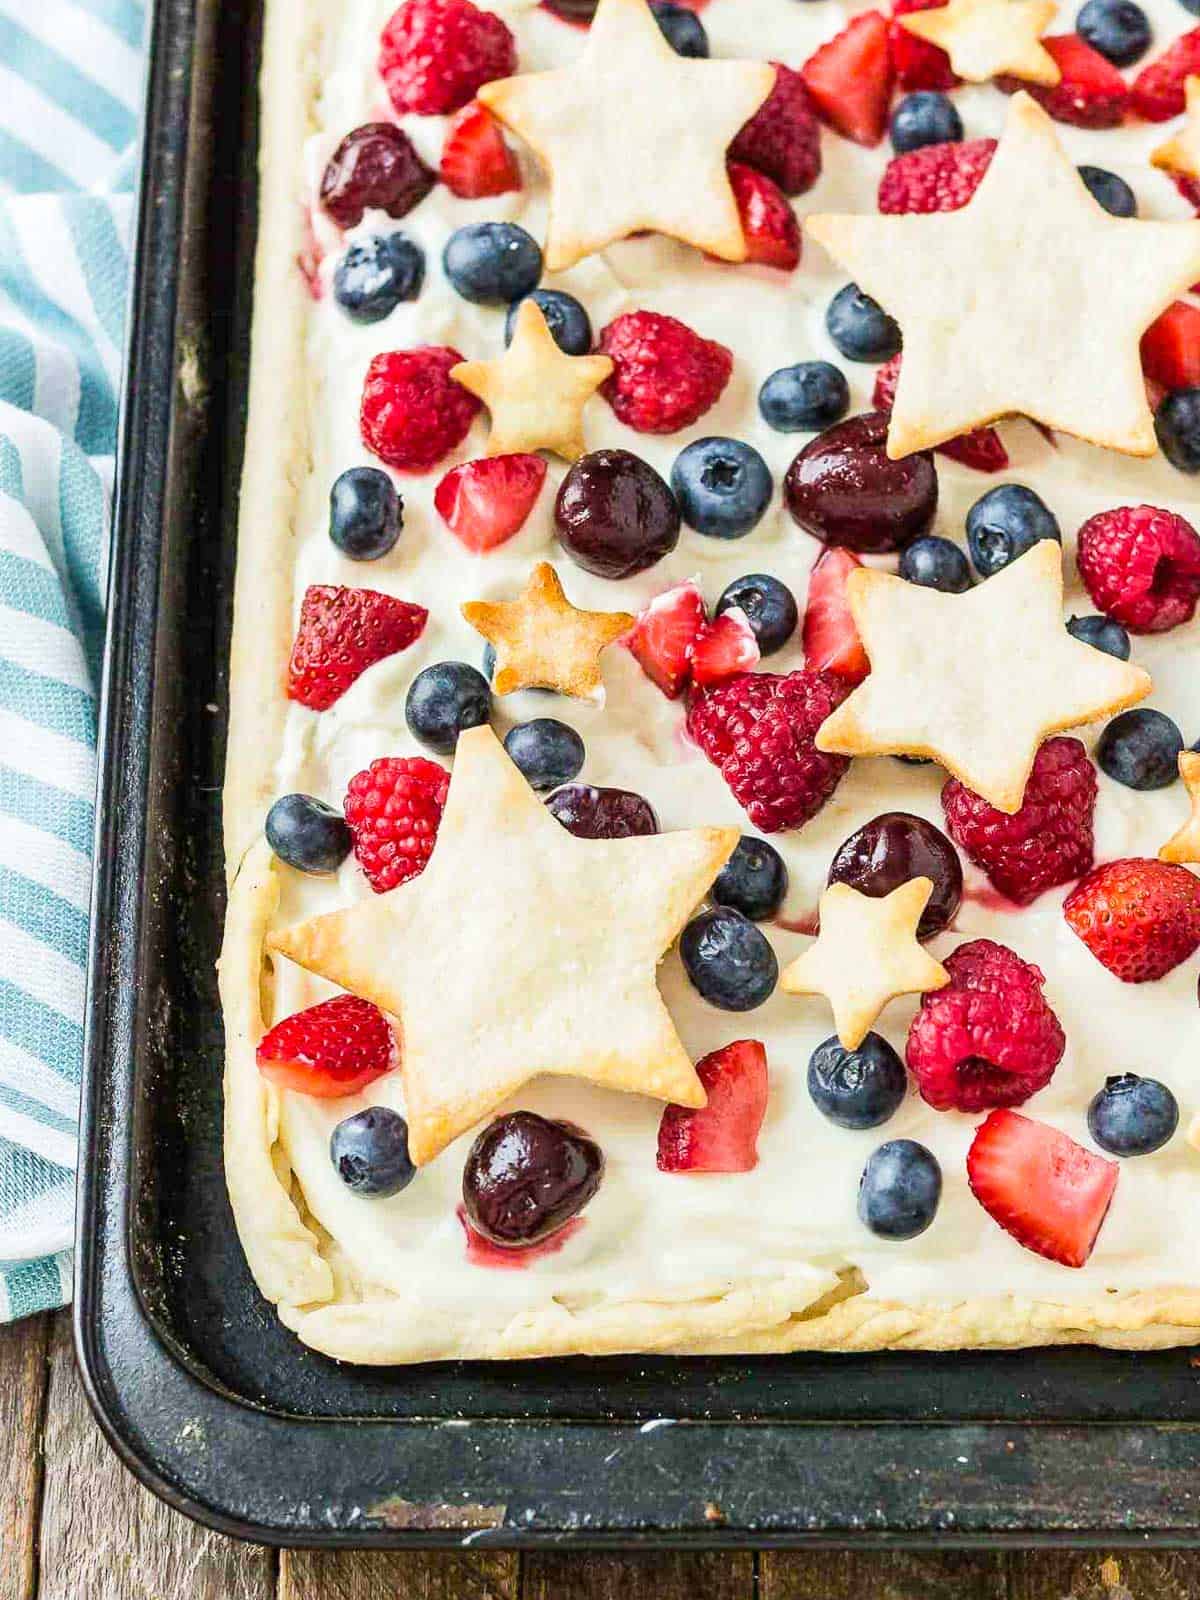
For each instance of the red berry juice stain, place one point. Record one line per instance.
(309, 259)
(990, 899)
(482, 1252)
(809, 923)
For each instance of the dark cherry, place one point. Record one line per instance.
(592, 813)
(375, 168)
(891, 849)
(843, 489)
(525, 1176)
(615, 515)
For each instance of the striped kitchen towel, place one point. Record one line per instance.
(70, 74)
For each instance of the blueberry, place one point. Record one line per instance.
(1140, 749)
(856, 1088)
(488, 663)
(935, 564)
(364, 513)
(492, 263)
(681, 28)
(1132, 1116)
(443, 701)
(376, 274)
(1102, 633)
(899, 1190)
(805, 397)
(547, 751)
(307, 834)
(1109, 191)
(925, 118)
(370, 1152)
(1006, 522)
(860, 327)
(1177, 427)
(1118, 29)
(728, 960)
(753, 881)
(770, 608)
(565, 317)
(722, 486)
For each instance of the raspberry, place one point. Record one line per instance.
(1091, 92)
(376, 167)
(434, 54)
(988, 1038)
(937, 177)
(1141, 567)
(759, 728)
(1048, 841)
(981, 448)
(413, 413)
(393, 809)
(783, 137)
(1159, 90)
(917, 63)
(665, 376)
(1139, 918)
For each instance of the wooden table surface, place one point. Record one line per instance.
(74, 1525)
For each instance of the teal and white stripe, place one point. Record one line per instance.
(69, 104)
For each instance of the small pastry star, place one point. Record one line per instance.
(534, 391)
(544, 642)
(1031, 299)
(988, 38)
(520, 950)
(1184, 845)
(975, 680)
(634, 136)
(1180, 154)
(866, 954)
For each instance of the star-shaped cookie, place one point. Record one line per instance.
(975, 680)
(520, 950)
(634, 137)
(1180, 154)
(1184, 845)
(535, 392)
(990, 38)
(542, 641)
(1030, 299)
(866, 954)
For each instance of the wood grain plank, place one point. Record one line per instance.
(104, 1537)
(372, 1575)
(1092, 1575)
(23, 1351)
(669, 1576)
(881, 1575)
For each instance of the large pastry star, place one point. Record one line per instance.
(1031, 299)
(987, 38)
(520, 950)
(534, 391)
(975, 680)
(1180, 154)
(866, 954)
(634, 136)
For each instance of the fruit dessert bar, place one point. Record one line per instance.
(712, 814)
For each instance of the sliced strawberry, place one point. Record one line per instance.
(342, 632)
(982, 448)
(723, 1135)
(1159, 90)
(1047, 1191)
(1171, 347)
(1138, 916)
(476, 161)
(1091, 92)
(332, 1049)
(831, 641)
(850, 79)
(486, 502)
(663, 636)
(768, 222)
(918, 64)
(724, 646)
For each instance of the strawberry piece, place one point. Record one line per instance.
(783, 137)
(1048, 1192)
(342, 632)
(1139, 918)
(413, 412)
(1171, 347)
(982, 448)
(769, 224)
(435, 54)
(393, 810)
(332, 1049)
(723, 1135)
(665, 376)
(1091, 92)
(849, 79)
(917, 63)
(476, 160)
(1158, 91)
(663, 636)
(831, 641)
(724, 646)
(937, 177)
(485, 502)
